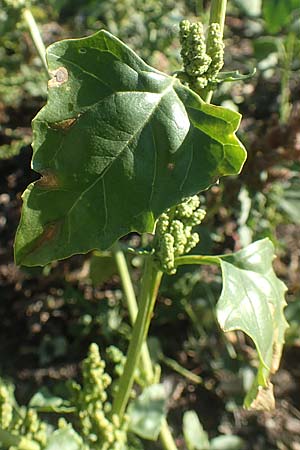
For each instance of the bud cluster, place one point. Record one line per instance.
(93, 408)
(25, 423)
(174, 235)
(202, 60)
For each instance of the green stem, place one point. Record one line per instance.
(185, 373)
(131, 304)
(36, 36)
(217, 15)
(197, 259)
(149, 289)
(165, 435)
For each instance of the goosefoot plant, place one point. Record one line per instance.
(122, 147)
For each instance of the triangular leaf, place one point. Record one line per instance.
(147, 412)
(252, 300)
(117, 143)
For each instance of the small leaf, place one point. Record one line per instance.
(195, 436)
(227, 443)
(147, 412)
(117, 143)
(252, 300)
(234, 76)
(44, 401)
(64, 439)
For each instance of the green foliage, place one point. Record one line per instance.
(194, 435)
(147, 412)
(277, 13)
(252, 300)
(197, 439)
(65, 438)
(154, 140)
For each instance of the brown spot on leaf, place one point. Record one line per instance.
(48, 180)
(171, 166)
(59, 77)
(63, 124)
(50, 232)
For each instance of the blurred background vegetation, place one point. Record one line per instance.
(49, 316)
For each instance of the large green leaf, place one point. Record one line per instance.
(252, 300)
(116, 144)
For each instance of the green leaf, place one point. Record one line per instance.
(234, 76)
(277, 13)
(195, 436)
(227, 443)
(64, 439)
(147, 412)
(44, 401)
(252, 300)
(116, 144)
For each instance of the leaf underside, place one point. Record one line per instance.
(252, 300)
(117, 143)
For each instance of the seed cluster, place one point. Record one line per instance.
(202, 59)
(174, 235)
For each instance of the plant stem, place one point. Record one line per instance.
(165, 435)
(197, 259)
(149, 289)
(36, 36)
(131, 303)
(217, 15)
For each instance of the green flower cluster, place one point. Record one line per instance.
(21, 422)
(93, 407)
(193, 52)
(215, 49)
(6, 407)
(202, 60)
(174, 236)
